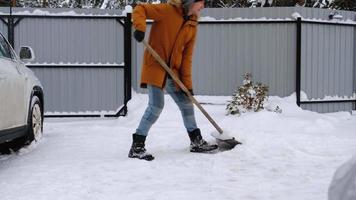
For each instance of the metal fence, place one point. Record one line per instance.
(82, 59)
(315, 55)
(328, 66)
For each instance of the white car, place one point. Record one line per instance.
(21, 98)
(343, 185)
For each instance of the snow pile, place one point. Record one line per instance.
(291, 155)
(343, 185)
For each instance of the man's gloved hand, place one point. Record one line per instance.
(139, 35)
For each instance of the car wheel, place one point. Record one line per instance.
(34, 123)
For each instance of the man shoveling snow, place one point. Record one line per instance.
(173, 36)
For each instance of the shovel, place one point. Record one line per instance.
(224, 141)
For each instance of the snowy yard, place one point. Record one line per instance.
(292, 155)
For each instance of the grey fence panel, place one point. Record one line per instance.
(3, 29)
(82, 89)
(135, 65)
(328, 107)
(79, 58)
(72, 40)
(225, 52)
(327, 61)
(354, 64)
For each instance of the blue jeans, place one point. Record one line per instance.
(156, 104)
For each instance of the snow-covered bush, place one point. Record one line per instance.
(247, 97)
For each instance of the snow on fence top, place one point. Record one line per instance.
(62, 64)
(304, 97)
(128, 9)
(294, 17)
(240, 19)
(67, 12)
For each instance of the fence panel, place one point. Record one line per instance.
(72, 40)
(82, 89)
(328, 107)
(80, 59)
(327, 64)
(354, 55)
(225, 52)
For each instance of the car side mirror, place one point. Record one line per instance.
(27, 54)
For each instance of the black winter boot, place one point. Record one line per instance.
(138, 148)
(198, 144)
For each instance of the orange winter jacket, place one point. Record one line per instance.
(171, 37)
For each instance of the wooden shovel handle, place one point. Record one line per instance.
(181, 85)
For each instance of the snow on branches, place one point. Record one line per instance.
(248, 97)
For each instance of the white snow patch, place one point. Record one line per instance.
(128, 9)
(225, 135)
(296, 15)
(207, 18)
(303, 96)
(104, 5)
(284, 156)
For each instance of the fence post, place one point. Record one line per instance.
(10, 28)
(127, 58)
(298, 60)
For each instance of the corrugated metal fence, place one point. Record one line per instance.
(85, 53)
(263, 41)
(328, 66)
(79, 59)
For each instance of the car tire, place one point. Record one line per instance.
(35, 120)
(34, 124)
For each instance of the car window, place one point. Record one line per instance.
(5, 49)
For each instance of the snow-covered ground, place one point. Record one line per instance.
(292, 155)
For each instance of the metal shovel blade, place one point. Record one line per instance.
(225, 141)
